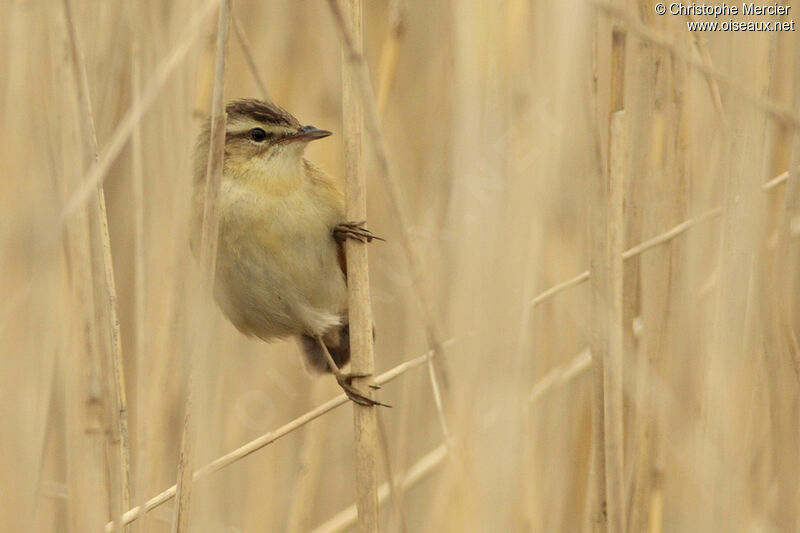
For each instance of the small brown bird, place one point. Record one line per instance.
(280, 268)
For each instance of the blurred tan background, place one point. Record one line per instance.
(496, 116)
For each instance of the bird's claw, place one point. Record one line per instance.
(355, 231)
(346, 382)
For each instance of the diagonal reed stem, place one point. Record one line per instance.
(658, 240)
(776, 111)
(97, 172)
(266, 439)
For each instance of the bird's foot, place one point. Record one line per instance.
(355, 231)
(346, 382)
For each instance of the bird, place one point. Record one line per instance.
(280, 265)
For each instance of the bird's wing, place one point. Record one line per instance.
(331, 188)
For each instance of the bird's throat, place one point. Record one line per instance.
(278, 175)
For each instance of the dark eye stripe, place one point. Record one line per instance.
(245, 135)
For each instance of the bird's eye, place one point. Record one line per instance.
(258, 135)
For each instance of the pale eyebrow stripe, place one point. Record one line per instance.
(237, 134)
(241, 128)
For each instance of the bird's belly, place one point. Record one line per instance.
(272, 282)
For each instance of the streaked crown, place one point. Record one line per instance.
(251, 111)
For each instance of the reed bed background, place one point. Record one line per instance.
(594, 276)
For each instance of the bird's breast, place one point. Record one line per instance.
(277, 260)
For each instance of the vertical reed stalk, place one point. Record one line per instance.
(108, 309)
(208, 254)
(615, 245)
(139, 488)
(729, 377)
(646, 212)
(788, 215)
(596, 492)
(361, 343)
(395, 489)
(85, 440)
(118, 140)
(607, 245)
(776, 275)
(311, 459)
(433, 327)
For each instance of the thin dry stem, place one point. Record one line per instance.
(116, 143)
(654, 101)
(208, 254)
(425, 466)
(216, 149)
(118, 371)
(791, 205)
(613, 293)
(671, 234)
(658, 240)
(110, 307)
(395, 490)
(555, 289)
(375, 133)
(713, 86)
(760, 102)
(268, 438)
(85, 444)
(606, 341)
(774, 182)
(365, 422)
(561, 375)
(311, 462)
(596, 500)
(137, 196)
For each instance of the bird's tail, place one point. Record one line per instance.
(337, 340)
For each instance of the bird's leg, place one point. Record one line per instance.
(355, 231)
(345, 380)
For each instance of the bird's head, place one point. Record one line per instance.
(259, 135)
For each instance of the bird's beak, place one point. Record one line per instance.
(308, 133)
